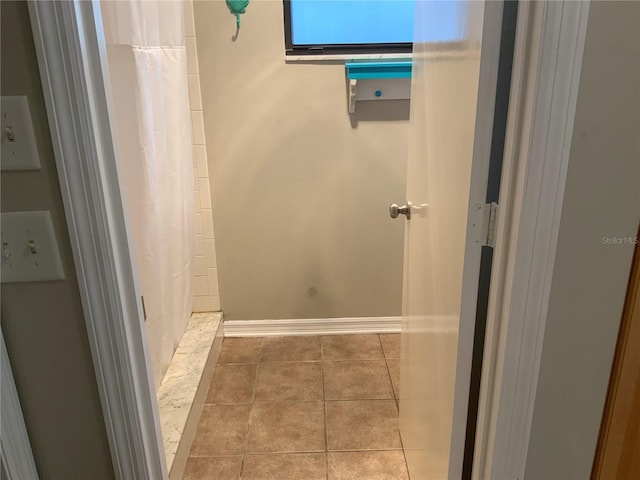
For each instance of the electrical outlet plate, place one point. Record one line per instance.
(19, 150)
(29, 250)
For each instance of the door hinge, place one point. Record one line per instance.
(144, 308)
(491, 219)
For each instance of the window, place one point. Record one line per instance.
(348, 26)
(326, 27)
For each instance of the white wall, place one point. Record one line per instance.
(300, 189)
(602, 199)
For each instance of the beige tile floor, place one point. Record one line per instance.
(302, 408)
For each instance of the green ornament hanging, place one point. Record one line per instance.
(237, 7)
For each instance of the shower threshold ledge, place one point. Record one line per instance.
(184, 387)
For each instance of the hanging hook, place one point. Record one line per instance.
(237, 7)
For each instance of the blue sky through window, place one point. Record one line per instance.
(328, 22)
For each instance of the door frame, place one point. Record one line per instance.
(547, 60)
(549, 46)
(71, 55)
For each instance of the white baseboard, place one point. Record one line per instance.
(311, 326)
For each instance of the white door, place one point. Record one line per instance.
(451, 117)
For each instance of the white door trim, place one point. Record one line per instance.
(547, 64)
(17, 457)
(71, 58)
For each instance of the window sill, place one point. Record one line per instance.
(350, 57)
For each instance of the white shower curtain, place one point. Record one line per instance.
(152, 129)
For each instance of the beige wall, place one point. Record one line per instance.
(42, 322)
(300, 190)
(602, 199)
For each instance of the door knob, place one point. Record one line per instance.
(395, 210)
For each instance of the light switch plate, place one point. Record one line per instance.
(19, 150)
(29, 250)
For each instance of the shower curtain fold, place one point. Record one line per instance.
(152, 128)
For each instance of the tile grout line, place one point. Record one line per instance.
(393, 387)
(359, 399)
(324, 410)
(339, 360)
(386, 363)
(300, 452)
(253, 393)
(404, 455)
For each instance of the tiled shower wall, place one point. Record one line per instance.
(206, 297)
